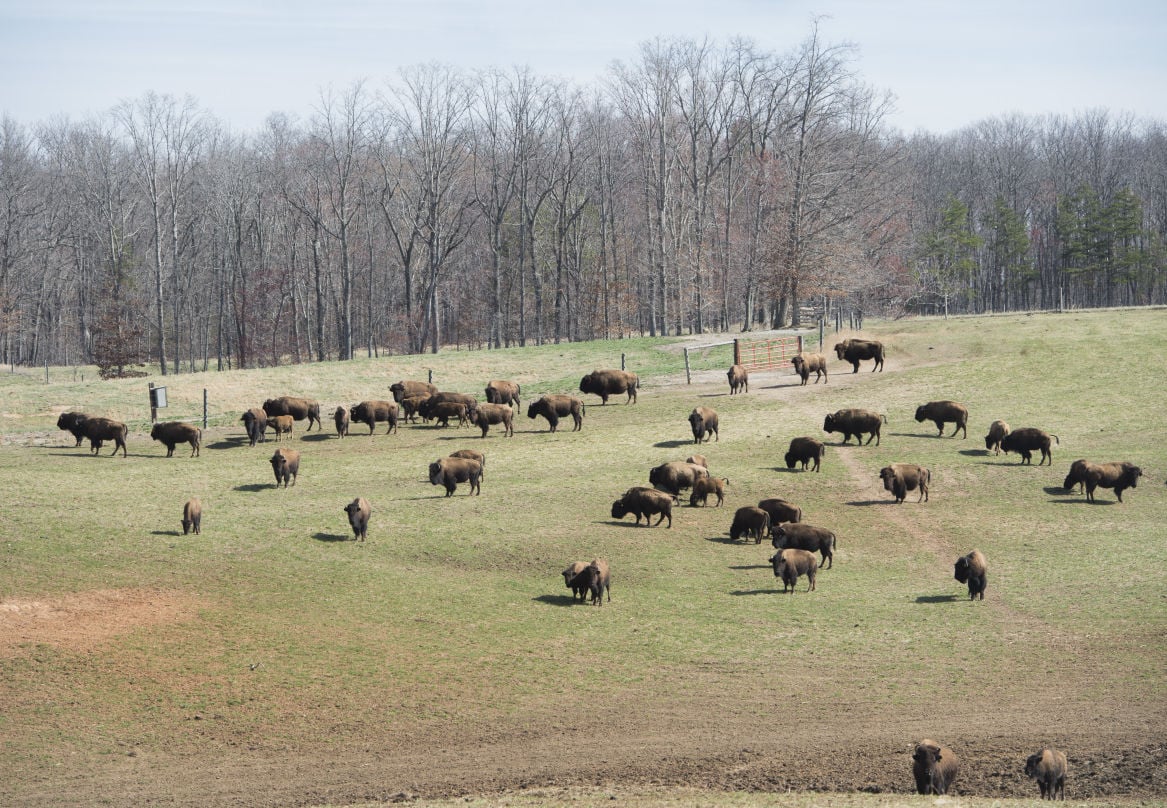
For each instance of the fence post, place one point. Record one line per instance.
(204, 409)
(737, 352)
(688, 376)
(622, 357)
(153, 409)
(822, 339)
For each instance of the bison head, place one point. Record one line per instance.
(841, 348)
(921, 413)
(532, 410)
(960, 573)
(829, 424)
(619, 509)
(791, 460)
(927, 755)
(436, 472)
(589, 384)
(798, 362)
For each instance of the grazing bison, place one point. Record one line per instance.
(255, 422)
(286, 465)
(900, 478)
(780, 510)
(805, 451)
(1048, 768)
(555, 407)
(172, 433)
(640, 501)
(1119, 476)
(501, 391)
(358, 517)
(703, 422)
(486, 415)
(675, 476)
(704, 486)
(791, 563)
(281, 425)
(1025, 440)
(341, 419)
(944, 412)
(98, 430)
(805, 537)
(1079, 470)
(192, 516)
(934, 767)
(571, 579)
(298, 408)
(997, 432)
(596, 579)
(410, 388)
(470, 454)
(739, 379)
(449, 471)
(972, 569)
(749, 521)
(808, 363)
(604, 383)
(856, 350)
(374, 412)
(71, 421)
(855, 422)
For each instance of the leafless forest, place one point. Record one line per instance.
(699, 187)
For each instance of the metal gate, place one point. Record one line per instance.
(766, 354)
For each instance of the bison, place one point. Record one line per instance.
(808, 363)
(1079, 470)
(573, 581)
(98, 430)
(485, 415)
(286, 465)
(699, 460)
(470, 454)
(805, 537)
(749, 521)
(172, 433)
(192, 516)
(900, 478)
(341, 419)
(1119, 476)
(1048, 768)
(934, 767)
(604, 383)
(358, 517)
(944, 412)
(805, 451)
(557, 406)
(373, 412)
(449, 471)
(281, 425)
(704, 486)
(703, 422)
(855, 422)
(791, 563)
(71, 421)
(501, 391)
(255, 422)
(856, 350)
(640, 501)
(405, 388)
(1025, 440)
(675, 476)
(443, 411)
(780, 510)
(411, 406)
(972, 569)
(997, 432)
(739, 379)
(298, 408)
(596, 579)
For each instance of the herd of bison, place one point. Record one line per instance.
(934, 766)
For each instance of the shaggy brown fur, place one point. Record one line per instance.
(281, 425)
(298, 408)
(1119, 476)
(675, 476)
(406, 387)
(1025, 440)
(791, 563)
(192, 516)
(449, 471)
(98, 430)
(486, 415)
(805, 537)
(808, 363)
(255, 422)
(501, 391)
(805, 451)
(557, 406)
(973, 570)
(341, 419)
(595, 578)
(172, 433)
(1048, 768)
(703, 422)
(856, 350)
(900, 478)
(750, 521)
(604, 383)
(944, 412)
(286, 465)
(71, 421)
(997, 432)
(780, 510)
(640, 501)
(578, 586)
(704, 486)
(470, 454)
(739, 380)
(855, 422)
(934, 767)
(373, 412)
(358, 517)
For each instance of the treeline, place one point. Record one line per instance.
(700, 187)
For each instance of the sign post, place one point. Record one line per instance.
(157, 400)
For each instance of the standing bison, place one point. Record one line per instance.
(791, 563)
(640, 501)
(281, 425)
(192, 516)
(595, 578)
(449, 471)
(997, 432)
(572, 581)
(358, 517)
(703, 422)
(255, 422)
(341, 419)
(487, 415)
(172, 433)
(99, 430)
(373, 412)
(805, 537)
(501, 391)
(71, 421)
(805, 451)
(1027, 439)
(405, 388)
(857, 350)
(972, 569)
(1048, 768)
(1119, 476)
(749, 521)
(471, 454)
(555, 407)
(298, 408)
(286, 465)
(934, 767)
(855, 422)
(675, 476)
(704, 486)
(900, 478)
(739, 379)
(604, 383)
(944, 412)
(780, 510)
(808, 363)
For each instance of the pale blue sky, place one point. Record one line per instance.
(948, 63)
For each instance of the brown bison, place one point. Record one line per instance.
(573, 581)
(805, 537)
(1079, 470)
(486, 415)
(739, 379)
(449, 471)
(900, 478)
(341, 418)
(791, 563)
(358, 517)
(856, 350)
(972, 569)
(443, 411)
(604, 383)
(703, 422)
(855, 422)
(1048, 768)
(997, 432)
(298, 408)
(934, 767)
(1119, 476)
(595, 578)
(698, 460)
(501, 391)
(458, 398)
(704, 486)
(675, 476)
(805, 451)
(1025, 440)
(255, 423)
(172, 433)
(405, 388)
(749, 521)
(944, 412)
(780, 510)
(557, 406)
(98, 430)
(640, 501)
(192, 516)
(808, 363)
(281, 425)
(470, 454)
(286, 465)
(411, 406)
(373, 412)
(71, 421)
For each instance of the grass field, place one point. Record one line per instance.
(273, 661)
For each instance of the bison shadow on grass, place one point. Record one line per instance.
(556, 600)
(318, 436)
(673, 444)
(939, 599)
(332, 537)
(254, 487)
(863, 503)
(229, 442)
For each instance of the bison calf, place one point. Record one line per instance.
(172, 433)
(192, 516)
(997, 432)
(944, 412)
(934, 767)
(281, 425)
(573, 581)
(972, 569)
(791, 563)
(286, 465)
(1048, 768)
(341, 419)
(805, 451)
(704, 486)
(358, 517)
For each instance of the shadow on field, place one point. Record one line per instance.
(938, 598)
(673, 444)
(315, 437)
(556, 600)
(624, 523)
(331, 537)
(1083, 501)
(228, 443)
(974, 452)
(756, 592)
(932, 436)
(726, 540)
(1056, 490)
(253, 487)
(865, 502)
(165, 532)
(750, 566)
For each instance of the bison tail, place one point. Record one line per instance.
(1055, 437)
(884, 417)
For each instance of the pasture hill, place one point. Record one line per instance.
(273, 660)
